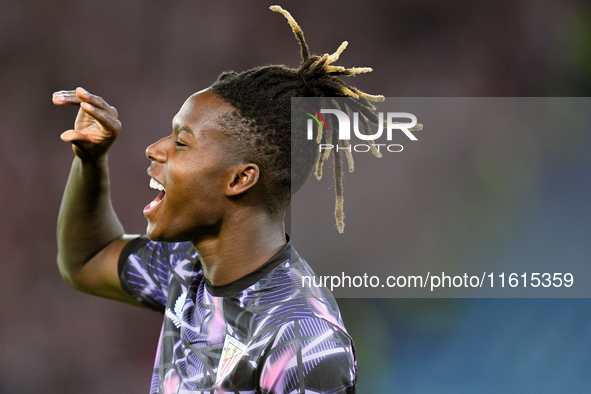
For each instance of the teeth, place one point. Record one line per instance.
(155, 184)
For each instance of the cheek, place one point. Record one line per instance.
(201, 187)
(195, 182)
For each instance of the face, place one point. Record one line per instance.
(191, 168)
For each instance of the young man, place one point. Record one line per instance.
(216, 261)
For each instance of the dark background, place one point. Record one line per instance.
(146, 57)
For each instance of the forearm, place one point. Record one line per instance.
(87, 221)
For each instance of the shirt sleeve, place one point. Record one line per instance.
(310, 356)
(145, 268)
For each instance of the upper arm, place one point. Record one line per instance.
(100, 275)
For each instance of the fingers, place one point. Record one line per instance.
(80, 95)
(92, 107)
(96, 101)
(96, 126)
(66, 97)
(103, 116)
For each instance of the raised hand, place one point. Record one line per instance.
(96, 126)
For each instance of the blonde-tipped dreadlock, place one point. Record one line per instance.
(261, 128)
(325, 62)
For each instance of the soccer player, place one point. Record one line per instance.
(216, 261)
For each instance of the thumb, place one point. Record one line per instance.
(72, 136)
(83, 146)
(79, 141)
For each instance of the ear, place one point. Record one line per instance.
(244, 178)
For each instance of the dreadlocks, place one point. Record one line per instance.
(261, 126)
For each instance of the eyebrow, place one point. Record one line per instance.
(179, 128)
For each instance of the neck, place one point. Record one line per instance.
(238, 249)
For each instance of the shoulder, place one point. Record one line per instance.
(318, 300)
(144, 247)
(143, 251)
(148, 268)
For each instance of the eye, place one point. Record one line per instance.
(179, 143)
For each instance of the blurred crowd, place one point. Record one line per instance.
(146, 57)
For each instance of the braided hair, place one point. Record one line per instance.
(261, 125)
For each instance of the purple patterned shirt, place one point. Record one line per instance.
(263, 333)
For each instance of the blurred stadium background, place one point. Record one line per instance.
(146, 57)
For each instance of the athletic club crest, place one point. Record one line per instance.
(231, 353)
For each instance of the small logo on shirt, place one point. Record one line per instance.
(231, 353)
(177, 315)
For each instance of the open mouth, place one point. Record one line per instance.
(154, 184)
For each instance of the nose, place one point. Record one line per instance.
(155, 152)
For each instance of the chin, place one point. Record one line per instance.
(153, 237)
(162, 236)
(153, 234)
